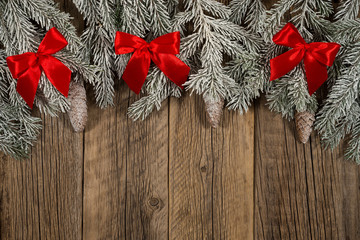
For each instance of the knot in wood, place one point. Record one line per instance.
(154, 202)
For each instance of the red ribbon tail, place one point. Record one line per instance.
(286, 62)
(27, 84)
(316, 73)
(176, 70)
(137, 69)
(57, 73)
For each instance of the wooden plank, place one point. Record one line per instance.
(42, 197)
(126, 179)
(301, 191)
(147, 177)
(105, 173)
(233, 186)
(211, 174)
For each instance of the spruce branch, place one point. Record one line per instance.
(249, 67)
(308, 16)
(147, 19)
(349, 9)
(340, 115)
(18, 129)
(289, 94)
(24, 23)
(341, 99)
(98, 38)
(213, 36)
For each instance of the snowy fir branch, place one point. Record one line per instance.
(213, 36)
(18, 129)
(23, 24)
(289, 94)
(99, 38)
(348, 9)
(147, 19)
(339, 117)
(249, 69)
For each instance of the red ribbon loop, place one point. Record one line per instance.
(27, 67)
(316, 57)
(161, 51)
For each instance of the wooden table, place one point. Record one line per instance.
(173, 177)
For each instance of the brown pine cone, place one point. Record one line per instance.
(78, 107)
(214, 111)
(304, 122)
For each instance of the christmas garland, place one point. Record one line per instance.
(230, 55)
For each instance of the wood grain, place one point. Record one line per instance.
(301, 191)
(211, 174)
(126, 180)
(42, 197)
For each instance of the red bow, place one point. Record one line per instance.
(27, 67)
(161, 51)
(316, 57)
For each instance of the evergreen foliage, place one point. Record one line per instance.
(148, 19)
(23, 24)
(213, 36)
(99, 38)
(340, 114)
(250, 69)
(289, 93)
(18, 129)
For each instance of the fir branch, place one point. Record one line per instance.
(213, 36)
(290, 94)
(18, 129)
(27, 22)
(23, 24)
(47, 15)
(308, 16)
(349, 9)
(347, 32)
(341, 98)
(353, 150)
(340, 115)
(22, 34)
(147, 19)
(98, 37)
(249, 13)
(248, 68)
(172, 7)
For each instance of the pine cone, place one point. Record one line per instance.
(214, 111)
(78, 108)
(304, 122)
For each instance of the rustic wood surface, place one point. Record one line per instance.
(173, 177)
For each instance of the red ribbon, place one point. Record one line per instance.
(316, 57)
(27, 67)
(161, 51)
